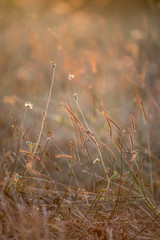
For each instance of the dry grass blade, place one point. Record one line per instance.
(143, 110)
(110, 150)
(107, 119)
(132, 123)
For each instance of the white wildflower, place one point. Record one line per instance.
(71, 77)
(28, 105)
(96, 160)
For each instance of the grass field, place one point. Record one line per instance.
(79, 122)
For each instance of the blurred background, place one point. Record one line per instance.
(111, 46)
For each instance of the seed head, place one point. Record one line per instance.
(75, 96)
(53, 65)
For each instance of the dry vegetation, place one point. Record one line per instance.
(79, 123)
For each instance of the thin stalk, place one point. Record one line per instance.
(148, 143)
(99, 151)
(24, 117)
(69, 178)
(98, 193)
(120, 184)
(45, 114)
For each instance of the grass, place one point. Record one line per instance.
(82, 161)
(120, 205)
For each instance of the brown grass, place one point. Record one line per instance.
(84, 162)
